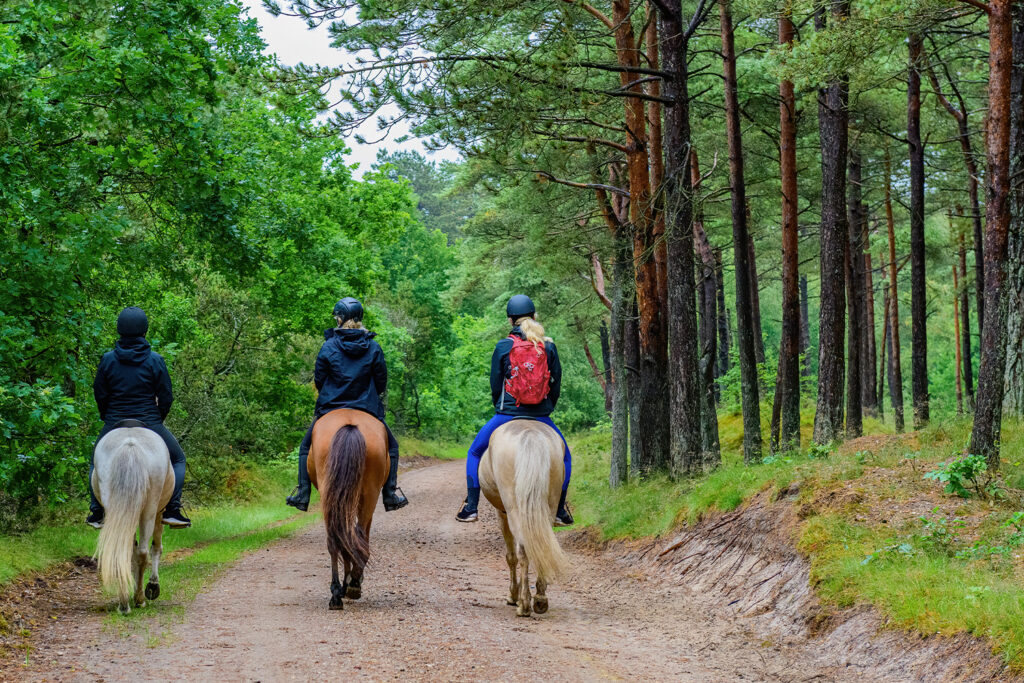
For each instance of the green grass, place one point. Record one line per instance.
(443, 450)
(913, 582)
(49, 545)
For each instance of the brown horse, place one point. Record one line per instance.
(521, 475)
(348, 463)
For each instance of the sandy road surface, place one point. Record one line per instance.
(433, 608)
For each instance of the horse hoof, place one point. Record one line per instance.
(522, 611)
(124, 609)
(353, 592)
(335, 603)
(511, 601)
(152, 591)
(540, 605)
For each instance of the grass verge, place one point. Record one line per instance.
(875, 530)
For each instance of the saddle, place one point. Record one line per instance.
(130, 423)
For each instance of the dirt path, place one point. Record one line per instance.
(433, 608)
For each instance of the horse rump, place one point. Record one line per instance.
(116, 543)
(532, 495)
(341, 494)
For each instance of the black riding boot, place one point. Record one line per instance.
(300, 496)
(392, 499)
(563, 517)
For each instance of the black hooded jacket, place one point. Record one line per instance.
(132, 383)
(504, 404)
(350, 372)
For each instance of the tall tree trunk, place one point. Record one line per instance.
(787, 393)
(750, 384)
(723, 317)
(988, 414)
(684, 377)
(854, 301)
(869, 361)
(918, 293)
(707, 300)
(631, 351)
(755, 295)
(654, 366)
(1013, 402)
(956, 345)
(885, 340)
(965, 328)
(620, 401)
(833, 133)
(656, 158)
(805, 329)
(606, 363)
(895, 372)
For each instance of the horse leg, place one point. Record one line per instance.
(540, 600)
(353, 581)
(141, 556)
(510, 557)
(153, 586)
(336, 589)
(524, 606)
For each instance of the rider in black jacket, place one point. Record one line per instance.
(350, 372)
(132, 383)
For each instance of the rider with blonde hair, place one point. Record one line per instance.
(519, 390)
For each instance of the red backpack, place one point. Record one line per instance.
(529, 380)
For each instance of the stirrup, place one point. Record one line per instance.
(397, 502)
(296, 501)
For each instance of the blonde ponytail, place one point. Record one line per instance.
(533, 330)
(352, 325)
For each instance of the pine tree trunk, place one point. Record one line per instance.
(750, 384)
(885, 340)
(1013, 401)
(833, 134)
(988, 413)
(805, 329)
(707, 300)
(895, 371)
(620, 400)
(854, 302)
(869, 360)
(956, 346)
(786, 432)
(631, 351)
(652, 329)
(755, 295)
(965, 328)
(918, 293)
(723, 317)
(685, 447)
(606, 363)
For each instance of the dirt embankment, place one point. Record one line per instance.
(726, 600)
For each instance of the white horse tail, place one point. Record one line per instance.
(116, 544)
(533, 463)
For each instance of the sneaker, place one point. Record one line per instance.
(465, 514)
(563, 517)
(95, 519)
(176, 519)
(395, 501)
(299, 498)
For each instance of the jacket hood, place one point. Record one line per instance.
(132, 350)
(354, 343)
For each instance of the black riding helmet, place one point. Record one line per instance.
(348, 308)
(520, 305)
(132, 322)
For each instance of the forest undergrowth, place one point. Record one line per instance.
(904, 523)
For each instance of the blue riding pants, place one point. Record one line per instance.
(483, 439)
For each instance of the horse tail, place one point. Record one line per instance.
(116, 544)
(532, 485)
(342, 494)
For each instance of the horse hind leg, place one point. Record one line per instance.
(153, 586)
(510, 558)
(353, 580)
(524, 606)
(336, 589)
(540, 600)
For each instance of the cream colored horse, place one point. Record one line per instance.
(521, 475)
(133, 480)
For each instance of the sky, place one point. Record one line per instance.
(292, 42)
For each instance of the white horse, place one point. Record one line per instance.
(133, 480)
(521, 475)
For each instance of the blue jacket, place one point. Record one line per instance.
(132, 383)
(504, 404)
(350, 373)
